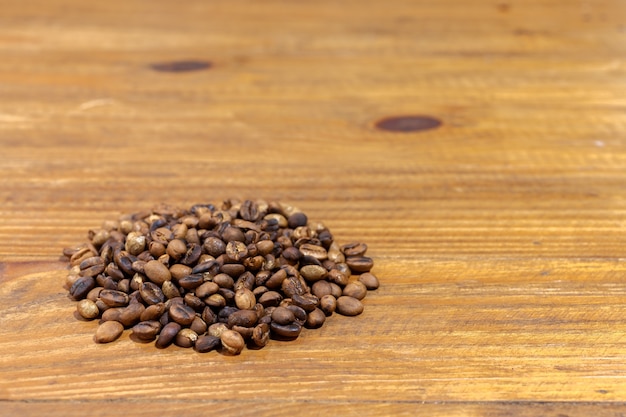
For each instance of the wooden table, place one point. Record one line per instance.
(478, 148)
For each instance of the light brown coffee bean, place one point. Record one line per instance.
(87, 309)
(206, 289)
(232, 342)
(157, 272)
(349, 306)
(186, 338)
(179, 271)
(321, 288)
(359, 264)
(245, 299)
(114, 298)
(261, 335)
(313, 273)
(216, 329)
(270, 298)
(354, 249)
(369, 280)
(328, 304)
(108, 332)
(315, 319)
(282, 315)
(355, 289)
(181, 314)
(152, 312)
(315, 251)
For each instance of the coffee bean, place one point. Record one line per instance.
(328, 304)
(236, 251)
(191, 282)
(198, 325)
(349, 306)
(130, 315)
(206, 289)
(232, 342)
(108, 332)
(214, 246)
(152, 312)
(270, 298)
(167, 335)
(181, 314)
(288, 331)
(90, 267)
(87, 309)
(194, 302)
(315, 319)
(297, 219)
(338, 277)
(186, 338)
(354, 249)
(234, 270)
(114, 298)
(151, 293)
(249, 211)
(369, 280)
(135, 243)
(178, 271)
(261, 335)
(313, 273)
(146, 331)
(276, 280)
(170, 290)
(81, 287)
(216, 329)
(207, 343)
(245, 299)
(355, 289)
(307, 302)
(359, 264)
(282, 315)
(321, 288)
(157, 272)
(316, 251)
(176, 249)
(299, 313)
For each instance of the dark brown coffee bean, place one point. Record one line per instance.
(87, 309)
(328, 304)
(276, 280)
(315, 319)
(114, 298)
(359, 264)
(236, 251)
(192, 255)
(349, 306)
(194, 302)
(282, 315)
(249, 211)
(157, 272)
(209, 316)
(299, 313)
(146, 331)
(354, 249)
(186, 338)
(167, 335)
(108, 332)
(207, 343)
(151, 293)
(297, 219)
(369, 280)
(244, 318)
(81, 287)
(288, 331)
(338, 277)
(231, 233)
(291, 286)
(191, 282)
(307, 302)
(270, 298)
(232, 342)
(355, 289)
(152, 312)
(92, 266)
(181, 314)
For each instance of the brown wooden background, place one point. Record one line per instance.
(499, 236)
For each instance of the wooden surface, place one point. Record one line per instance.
(498, 236)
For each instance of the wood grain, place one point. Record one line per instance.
(498, 235)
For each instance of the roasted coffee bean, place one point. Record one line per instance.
(299, 313)
(317, 252)
(94, 294)
(157, 272)
(245, 280)
(321, 288)
(232, 342)
(291, 286)
(315, 319)
(335, 290)
(198, 325)
(359, 264)
(224, 280)
(245, 299)
(192, 255)
(114, 298)
(170, 290)
(236, 251)
(276, 280)
(307, 302)
(270, 298)
(349, 306)
(191, 282)
(214, 246)
(249, 211)
(209, 316)
(108, 332)
(135, 243)
(244, 318)
(261, 335)
(264, 247)
(338, 277)
(228, 294)
(328, 304)
(369, 280)
(167, 335)
(206, 289)
(225, 313)
(146, 331)
(355, 289)
(92, 266)
(216, 301)
(282, 315)
(354, 249)
(152, 312)
(207, 343)
(288, 331)
(176, 249)
(110, 314)
(151, 293)
(186, 338)
(216, 329)
(81, 287)
(234, 270)
(124, 285)
(297, 219)
(181, 314)
(178, 271)
(231, 233)
(313, 273)
(87, 309)
(130, 315)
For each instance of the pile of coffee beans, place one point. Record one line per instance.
(216, 278)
